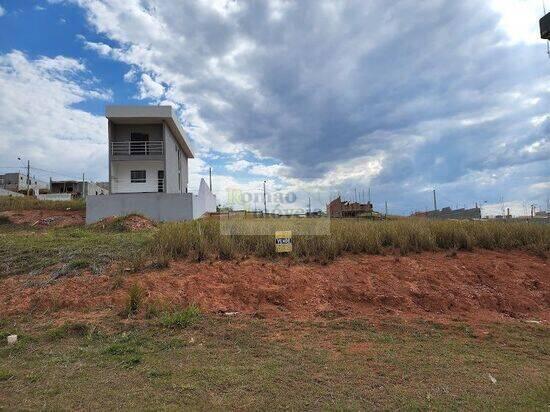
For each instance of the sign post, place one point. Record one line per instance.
(283, 241)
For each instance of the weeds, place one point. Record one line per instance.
(27, 203)
(78, 264)
(138, 262)
(134, 300)
(125, 350)
(180, 318)
(5, 375)
(69, 329)
(200, 239)
(154, 309)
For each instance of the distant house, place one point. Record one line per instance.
(17, 182)
(148, 168)
(448, 213)
(339, 208)
(77, 188)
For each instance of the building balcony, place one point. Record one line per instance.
(128, 149)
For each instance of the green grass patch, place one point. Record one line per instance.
(237, 363)
(28, 203)
(5, 375)
(25, 251)
(180, 318)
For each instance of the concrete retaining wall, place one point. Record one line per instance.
(61, 197)
(4, 192)
(160, 207)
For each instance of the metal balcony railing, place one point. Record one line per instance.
(137, 148)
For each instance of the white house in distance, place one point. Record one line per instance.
(148, 168)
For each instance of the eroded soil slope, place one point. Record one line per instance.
(475, 285)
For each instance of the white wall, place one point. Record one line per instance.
(55, 197)
(4, 192)
(94, 189)
(173, 184)
(204, 202)
(120, 176)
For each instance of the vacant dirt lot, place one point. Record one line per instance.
(481, 285)
(46, 218)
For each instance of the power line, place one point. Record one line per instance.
(51, 172)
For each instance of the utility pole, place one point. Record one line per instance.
(83, 187)
(265, 202)
(386, 204)
(369, 195)
(210, 172)
(28, 177)
(309, 205)
(435, 202)
(355, 195)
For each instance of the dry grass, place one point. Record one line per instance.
(203, 238)
(31, 203)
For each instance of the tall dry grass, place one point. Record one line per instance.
(27, 203)
(203, 238)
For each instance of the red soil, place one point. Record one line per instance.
(475, 286)
(131, 223)
(46, 218)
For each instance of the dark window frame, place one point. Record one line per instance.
(135, 176)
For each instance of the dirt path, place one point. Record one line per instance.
(481, 285)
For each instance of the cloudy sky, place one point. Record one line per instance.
(316, 97)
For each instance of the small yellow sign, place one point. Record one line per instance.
(283, 241)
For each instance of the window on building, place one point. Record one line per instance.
(138, 176)
(179, 169)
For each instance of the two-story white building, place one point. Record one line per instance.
(148, 167)
(148, 150)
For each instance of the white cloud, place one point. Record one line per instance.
(238, 165)
(150, 89)
(326, 94)
(39, 122)
(519, 19)
(277, 170)
(541, 186)
(2, 11)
